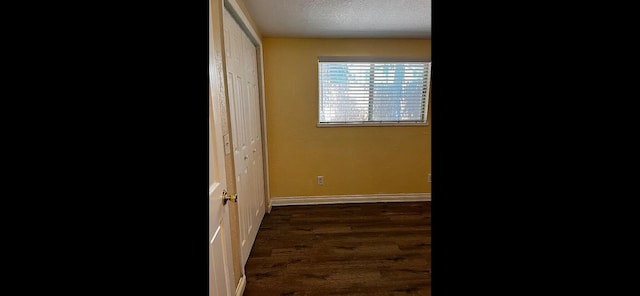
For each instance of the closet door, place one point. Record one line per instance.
(242, 79)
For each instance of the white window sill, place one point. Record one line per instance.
(342, 124)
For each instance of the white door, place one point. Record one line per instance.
(242, 80)
(221, 276)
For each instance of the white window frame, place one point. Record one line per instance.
(374, 60)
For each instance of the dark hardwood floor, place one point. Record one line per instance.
(343, 249)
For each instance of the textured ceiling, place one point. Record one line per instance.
(342, 18)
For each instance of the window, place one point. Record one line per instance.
(367, 91)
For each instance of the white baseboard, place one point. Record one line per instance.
(339, 199)
(241, 285)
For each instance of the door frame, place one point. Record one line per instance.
(216, 206)
(220, 236)
(237, 13)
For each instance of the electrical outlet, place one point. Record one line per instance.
(320, 180)
(429, 178)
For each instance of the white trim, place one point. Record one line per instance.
(360, 123)
(339, 199)
(243, 21)
(263, 116)
(373, 59)
(241, 285)
(270, 205)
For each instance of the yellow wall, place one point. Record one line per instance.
(353, 160)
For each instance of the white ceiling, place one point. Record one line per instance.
(342, 18)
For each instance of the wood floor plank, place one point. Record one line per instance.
(344, 249)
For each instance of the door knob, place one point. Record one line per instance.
(226, 197)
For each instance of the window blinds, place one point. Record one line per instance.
(373, 92)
